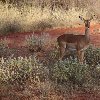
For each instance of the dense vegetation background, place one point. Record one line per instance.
(30, 15)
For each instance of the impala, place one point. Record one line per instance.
(71, 42)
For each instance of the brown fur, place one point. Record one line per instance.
(77, 42)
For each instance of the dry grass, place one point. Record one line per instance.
(30, 18)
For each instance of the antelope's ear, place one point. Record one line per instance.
(82, 18)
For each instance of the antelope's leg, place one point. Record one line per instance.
(62, 50)
(80, 56)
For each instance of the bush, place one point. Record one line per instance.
(71, 71)
(9, 28)
(43, 25)
(16, 71)
(92, 56)
(37, 43)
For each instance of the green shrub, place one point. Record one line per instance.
(71, 71)
(16, 71)
(92, 56)
(10, 27)
(35, 42)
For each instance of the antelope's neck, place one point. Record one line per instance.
(87, 31)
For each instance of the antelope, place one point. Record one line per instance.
(71, 42)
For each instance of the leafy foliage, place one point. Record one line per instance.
(70, 71)
(16, 71)
(92, 56)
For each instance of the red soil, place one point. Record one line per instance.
(18, 39)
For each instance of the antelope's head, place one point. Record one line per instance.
(86, 21)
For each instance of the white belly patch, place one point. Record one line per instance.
(71, 47)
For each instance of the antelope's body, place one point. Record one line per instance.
(77, 43)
